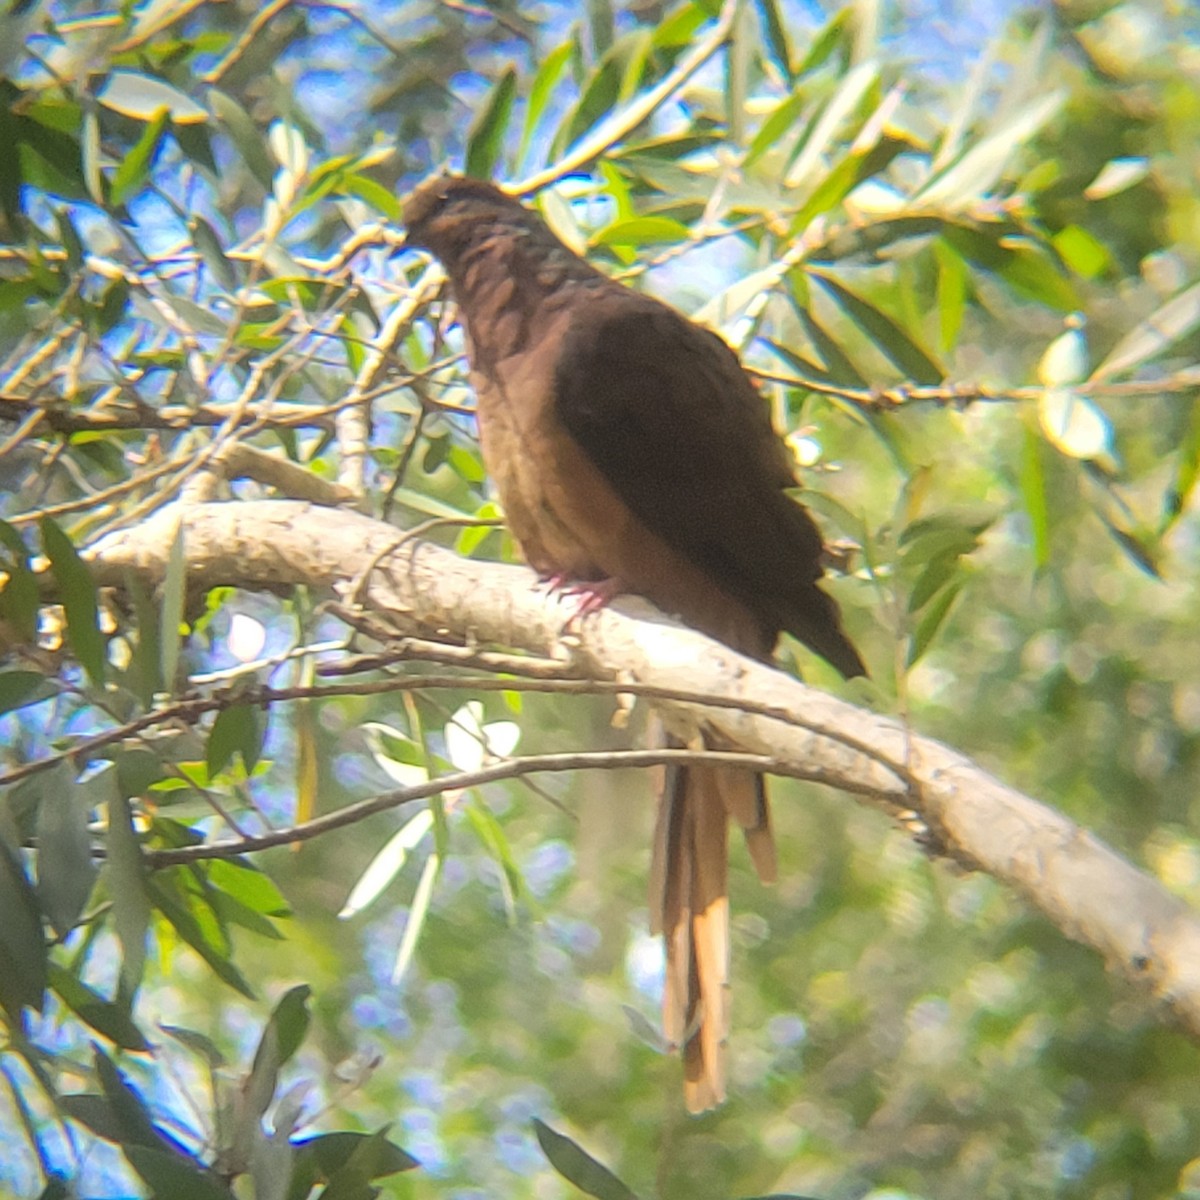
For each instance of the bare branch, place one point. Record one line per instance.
(1084, 887)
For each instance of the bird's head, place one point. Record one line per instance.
(444, 214)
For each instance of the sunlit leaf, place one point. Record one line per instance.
(839, 108)
(541, 90)
(387, 864)
(1065, 360)
(983, 164)
(1074, 424)
(417, 913)
(133, 94)
(1159, 332)
(642, 231)
(135, 167)
(1117, 175)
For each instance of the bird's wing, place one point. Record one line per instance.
(664, 410)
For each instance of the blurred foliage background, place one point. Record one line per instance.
(961, 245)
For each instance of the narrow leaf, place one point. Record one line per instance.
(889, 338)
(1174, 320)
(65, 868)
(981, 167)
(841, 105)
(540, 91)
(22, 942)
(78, 593)
(775, 37)
(174, 1176)
(387, 864)
(485, 138)
(1115, 176)
(416, 916)
(142, 97)
(1074, 424)
(135, 166)
(576, 1166)
(106, 1018)
(126, 882)
(1033, 494)
(237, 730)
(642, 231)
(931, 622)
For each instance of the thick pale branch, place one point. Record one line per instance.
(1084, 887)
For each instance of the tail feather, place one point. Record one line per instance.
(689, 905)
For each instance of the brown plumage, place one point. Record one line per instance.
(628, 444)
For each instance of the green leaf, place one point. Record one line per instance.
(22, 941)
(889, 338)
(19, 688)
(1033, 494)
(642, 231)
(248, 885)
(578, 1167)
(1186, 473)
(65, 868)
(19, 600)
(981, 167)
(417, 913)
(142, 97)
(108, 1019)
(126, 883)
(128, 1109)
(135, 166)
(485, 138)
(540, 91)
(836, 33)
(837, 110)
(1158, 332)
(931, 622)
(375, 194)
(1083, 253)
(346, 1156)
(198, 1044)
(174, 1176)
(237, 730)
(952, 282)
(781, 118)
(78, 594)
(1115, 176)
(775, 37)
(284, 1032)
(214, 950)
(1074, 424)
(245, 134)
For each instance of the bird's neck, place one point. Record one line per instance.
(510, 278)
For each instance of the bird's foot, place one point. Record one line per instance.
(592, 594)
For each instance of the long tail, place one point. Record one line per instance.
(689, 905)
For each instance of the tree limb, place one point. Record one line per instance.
(1085, 888)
